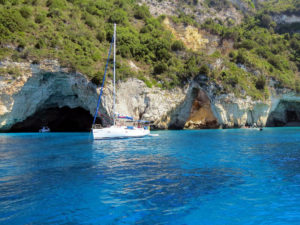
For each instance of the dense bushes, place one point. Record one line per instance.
(258, 48)
(90, 21)
(78, 33)
(141, 12)
(12, 20)
(40, 18)
(160, 68)
(119, 16)
(101, 35)
(56, 4)
(26, 12)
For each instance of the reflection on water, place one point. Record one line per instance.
(161, 185)
(157, 182)
(217, 177)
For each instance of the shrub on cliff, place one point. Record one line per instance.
(12, 20)
(26, 12)
(56, 4)
(141, 12)
(260, 82)
(247, 44)
(275, 61)
(241, 57)
(90, 21)
(177, 45)
(40, 18)
(192, 66)
(204, 69)
(101, 35)
(160, 68)
(266, 21)
(119, 16)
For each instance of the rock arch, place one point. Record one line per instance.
(195, 112)
(286, 113)
(29, 102)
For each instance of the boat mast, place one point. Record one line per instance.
(114, 113)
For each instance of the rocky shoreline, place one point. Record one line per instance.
(46, 86)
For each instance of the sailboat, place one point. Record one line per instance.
(122, 126)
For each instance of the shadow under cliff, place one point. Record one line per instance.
(287, 113)
(57, 119)
(62, 101)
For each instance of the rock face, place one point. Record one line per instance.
(287, 22)
(201, 115)
(286, 19)
(236, 112)
(49, 92)
(202, 108)
(40, 87)
(134, 98)
(198, 9)
(48, 86)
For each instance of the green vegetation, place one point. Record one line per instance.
(78, 34)
(177, 45)
(280, 6)
(12, 71)
(262, 51)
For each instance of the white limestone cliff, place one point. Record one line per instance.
(237, 112)
(196, 106)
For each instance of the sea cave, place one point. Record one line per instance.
(63, 119)
(287, 113)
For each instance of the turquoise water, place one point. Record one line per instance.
(180, 177)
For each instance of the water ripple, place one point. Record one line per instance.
(180, 177)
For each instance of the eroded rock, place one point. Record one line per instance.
(48, 86)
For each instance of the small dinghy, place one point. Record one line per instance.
(44, 129)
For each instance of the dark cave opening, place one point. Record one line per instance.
(287, 113)
(57, 119)
(291, 116)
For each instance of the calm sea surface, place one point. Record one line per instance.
(180, 177)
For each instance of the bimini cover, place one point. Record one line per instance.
(125, 117)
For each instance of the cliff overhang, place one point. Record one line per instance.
(48, 95)
(286, 113)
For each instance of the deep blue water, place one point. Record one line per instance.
(180, 177)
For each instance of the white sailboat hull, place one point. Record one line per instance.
(119, 132)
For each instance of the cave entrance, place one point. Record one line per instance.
(291, 116)
(287, 113)
(57, 119)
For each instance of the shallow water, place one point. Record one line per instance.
(179, 177)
